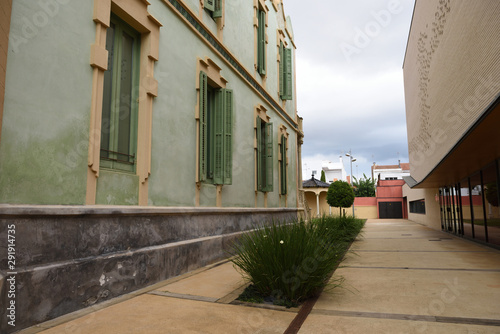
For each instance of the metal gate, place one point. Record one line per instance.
(390, 210)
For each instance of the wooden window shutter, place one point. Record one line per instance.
(217, 9)
(218, 149)
(269, 157)
(283, 165)
(260, 185)
(288, 74)
(281, 69)
(203, 126)
(261, 43)
(210, 5)
(227, 96)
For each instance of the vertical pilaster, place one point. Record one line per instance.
(5, 13)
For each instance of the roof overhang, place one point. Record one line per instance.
(478, 147)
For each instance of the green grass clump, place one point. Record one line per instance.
(293, 261)
(339, 228)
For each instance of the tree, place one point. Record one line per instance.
(323, 176)
(340, 195)
(364, 187)
(491, 193)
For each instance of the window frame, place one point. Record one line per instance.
(112, 160)
(417, 206)
(260, 25)
(264, 155)
(285, 72)
(135, 13)
(216, 113)
(283, 161)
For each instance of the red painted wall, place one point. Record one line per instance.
(476, 200)
(391, 191)
(390, 188)
(365, 201)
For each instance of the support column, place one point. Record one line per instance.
(317, 204)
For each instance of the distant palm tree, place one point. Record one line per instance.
(364, 187)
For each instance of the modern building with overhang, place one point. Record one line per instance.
(138, 139)
(452, 89)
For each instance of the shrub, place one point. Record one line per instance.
(292, 261)
(342, 229)
(340, 195)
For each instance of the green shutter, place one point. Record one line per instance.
(260, 185)
(203, 126)
(261, 43)
(218, 148)
(227, 95)
(283, 165)
(107, 97)
(217, 9)
(269, 157)
(209, 5)
(281, 69)
(288, 74)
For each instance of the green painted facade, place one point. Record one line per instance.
(45, 134)
(44, 144)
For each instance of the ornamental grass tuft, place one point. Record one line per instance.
(292, 261)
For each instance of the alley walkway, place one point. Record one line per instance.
(401, 278)
(407, 278)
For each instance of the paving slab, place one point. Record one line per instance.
(448, 260)
(408, 244)
(216, 282)
(416, 292)
(153, 314)
(331, 324)
(401, 234)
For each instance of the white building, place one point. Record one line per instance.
(334, 171)
(390, 172)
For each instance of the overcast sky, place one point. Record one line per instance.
(350, 89)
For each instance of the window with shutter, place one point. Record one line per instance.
(203, 126)
(283, 164)
(217, 9)
(215, 133)
(218, 138)
(261, 43)
(119, 105)
(269, 157)
(285, 75)
(209, 5)
(281, 74)
(214, 7)
(264, 155)
(288, 74)
(227, 98)
(260, 163)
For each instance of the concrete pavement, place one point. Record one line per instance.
(401, 278)
(407, 278)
